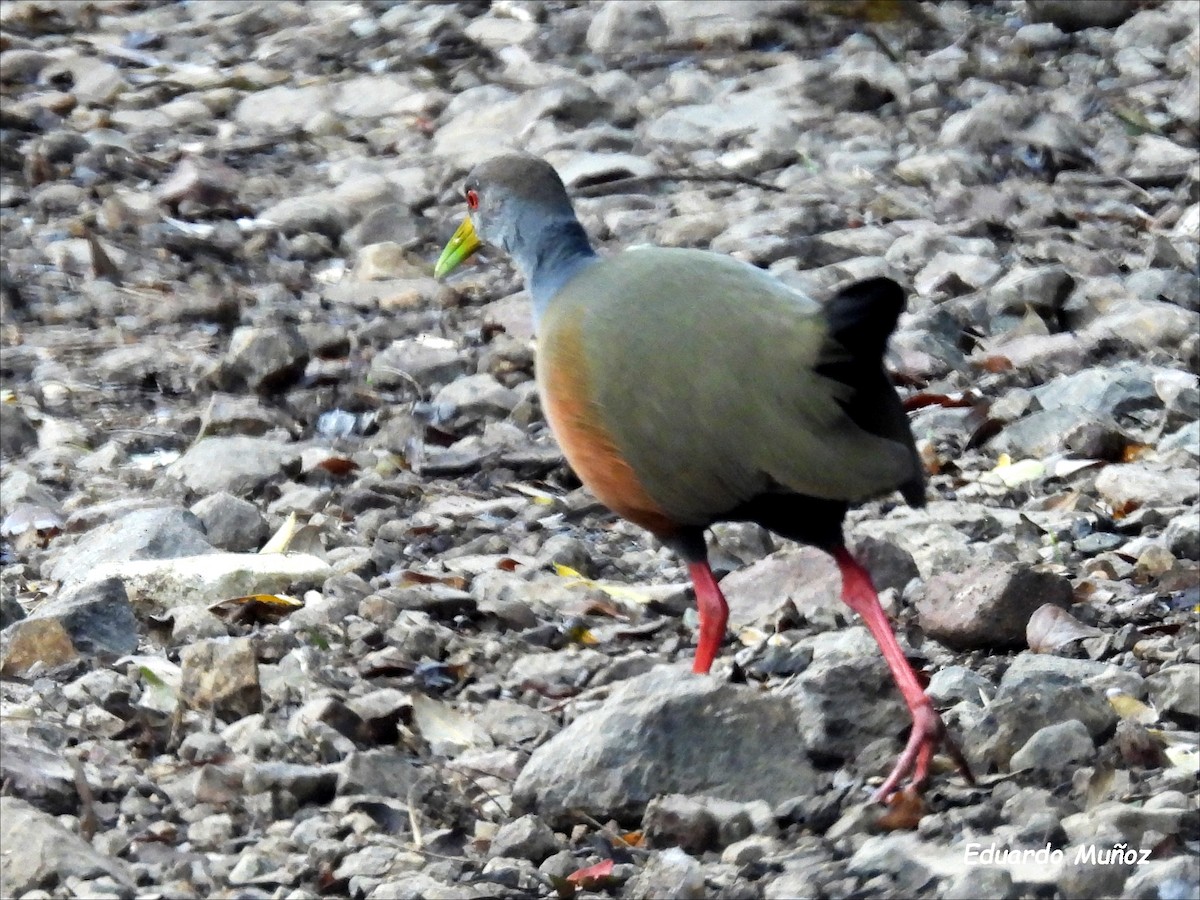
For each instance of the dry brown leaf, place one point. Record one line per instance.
(255, 609)
(1051, 627)
(905, 810)
(592, 877)
(337, 465)
(458, 582)
(1134, 451)
(996, 362)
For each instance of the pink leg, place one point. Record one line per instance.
(714, 614)
(928, 730)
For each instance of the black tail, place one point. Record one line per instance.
(861, 318)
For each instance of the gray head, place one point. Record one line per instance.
(513, 195)
(518, 204)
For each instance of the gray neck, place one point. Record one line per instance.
(550, 257)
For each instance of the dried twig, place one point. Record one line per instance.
(88, 820)
(634, 182)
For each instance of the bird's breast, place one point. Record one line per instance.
(566, 381)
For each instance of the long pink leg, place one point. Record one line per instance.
(928, 729)
(714, 614)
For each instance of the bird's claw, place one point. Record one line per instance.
(928, 732)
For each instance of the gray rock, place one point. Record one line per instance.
(1126, 485)
(93, 618)
(866, 81)
(385, 772)
(1053, 748)
(554, 674)
(656, 734)
(1176, 689)
(418, 363)
(318, 213)
(988, 606)
(1129, 821)
(471, 398)
(211, 832)
(846, 697)
(1083, 882)
(890, 565)
(221, 676)
(50, 855)
(236, 465)
(1164, 879)
(22, 65)
(796, 880)
(38, 771)
(1063, 429)
(806, 576)
(154, 584)
(954, 683)
(19, 486)
(231, 523)
(980, 881)
(1040, 36)
(749, 850)
(17, 433)
(1170, 285)
(1182, 536)
(230, 414)
(1043, 289)
(265, 360)
(894, 855)
(1186, 440)
(507, 722)
(527, 837)
(306, 783)
(1071, 16)
(954, 274)
(590, 168)
(674, 820)
(160, 533)
(495, 31)
(11, 609)
(1120, 391)
(1099, 542)
(421, 886)
(1100, 675)
(1023, 706)
(1159, 161)
(618, 26)
(1143, 323)
(670, 875)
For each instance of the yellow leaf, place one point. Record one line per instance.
(1010, 473)
(283, 537)
(568, 572)
(751, 636)
(255, 608)
(1186, 759)
(1131, 708)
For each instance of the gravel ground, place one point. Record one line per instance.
(449, 673)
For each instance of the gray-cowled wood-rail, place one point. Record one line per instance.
(687, 388)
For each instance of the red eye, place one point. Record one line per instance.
(472, 200)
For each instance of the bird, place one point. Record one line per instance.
(686, 387)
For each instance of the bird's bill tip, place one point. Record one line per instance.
(460, 247)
